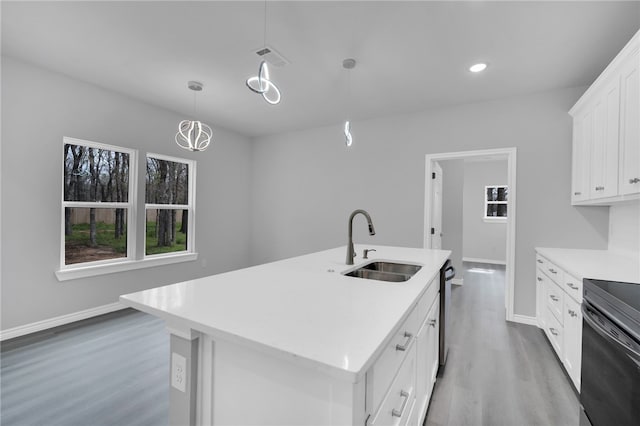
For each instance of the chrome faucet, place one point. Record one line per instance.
(350, 251)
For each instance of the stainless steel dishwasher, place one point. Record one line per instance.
(610, 391)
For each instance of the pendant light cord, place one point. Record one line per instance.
(194, 104)
(264, 36)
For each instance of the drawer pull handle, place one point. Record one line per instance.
(577, 193)
(553, 331)
(396, 413)
(571, 286)
(538, 260)
(554, 298)
(406, 344)
(553, 271)
(599, 188)
(433, 322)
(634, 180)
(539, 279)
(572, 313)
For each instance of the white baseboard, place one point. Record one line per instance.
(524, 319)
(477, 260)
(57, 321)
(457, 281)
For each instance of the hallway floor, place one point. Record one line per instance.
(497, 372)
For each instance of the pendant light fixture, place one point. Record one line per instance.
(193, 135)
(262, 83)
(348, 64)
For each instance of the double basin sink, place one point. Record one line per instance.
(385, 271)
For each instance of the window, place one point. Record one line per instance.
(100, 210)
(495, 202)
(97, 205)
(168, 205)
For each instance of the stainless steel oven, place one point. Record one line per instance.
(610, 383)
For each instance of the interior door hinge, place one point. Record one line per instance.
(433, 175)
(433, 231)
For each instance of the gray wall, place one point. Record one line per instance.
(306, 183)
(482, 239)
(38, 109)
(452, 210)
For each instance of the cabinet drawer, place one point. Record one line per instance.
(381, 374)
(553, 272)
(573, 287)
(555, 300)
(398, 402)
(426, 300)
(555, 333)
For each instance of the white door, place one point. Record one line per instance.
(436, 207)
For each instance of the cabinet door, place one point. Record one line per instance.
(540, 299)
(582, 135)
(630, 126)
(427, 362)
(572, 340)
(434, 343)
(604, 147)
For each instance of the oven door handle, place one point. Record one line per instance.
(586, 315)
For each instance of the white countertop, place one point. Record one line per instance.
(596, 264)
(297, 309)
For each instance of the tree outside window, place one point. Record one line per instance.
(99, 204)
(168, 204)
(96, 204)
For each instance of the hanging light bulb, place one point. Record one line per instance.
(262, 83)
(348, 139)
(348, 64)
(193, 135)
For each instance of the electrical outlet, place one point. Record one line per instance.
(179, 372)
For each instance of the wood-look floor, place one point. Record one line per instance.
(497, 372)
(114, 370)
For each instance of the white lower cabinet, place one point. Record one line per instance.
(400, 382)
(396, 406)
(559, 298)
(394, 390)
(427, 363)
(572, 321)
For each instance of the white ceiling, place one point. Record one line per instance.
(411, 55)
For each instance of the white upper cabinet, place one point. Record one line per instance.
(630, 126)
(582, 139)
(604, 146)
(606, 139)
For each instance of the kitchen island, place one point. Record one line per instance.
(298, 342)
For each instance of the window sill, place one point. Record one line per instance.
(495, 219)
(127, 265)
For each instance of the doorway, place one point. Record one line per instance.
(433, 208)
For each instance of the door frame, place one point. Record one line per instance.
(510, 155)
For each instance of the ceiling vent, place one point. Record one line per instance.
(272, 56)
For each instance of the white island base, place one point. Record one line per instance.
(296, 342)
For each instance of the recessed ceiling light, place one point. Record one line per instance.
(478, 67)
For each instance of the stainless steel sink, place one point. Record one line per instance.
(396, 268)
(385, 271)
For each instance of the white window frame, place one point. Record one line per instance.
(130, 205)
(487, 203)
(136, 258)
(190, 206)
